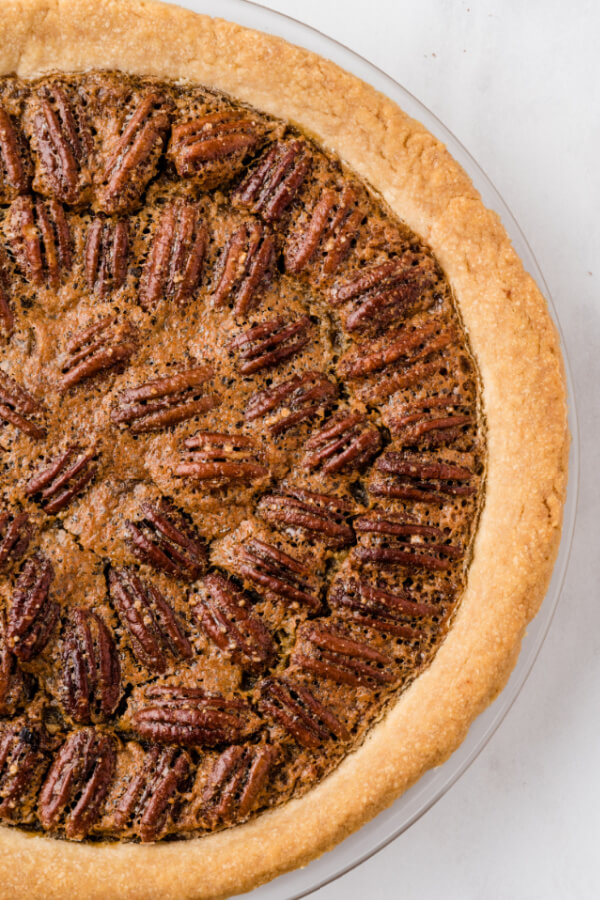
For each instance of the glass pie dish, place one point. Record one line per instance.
(521, 417)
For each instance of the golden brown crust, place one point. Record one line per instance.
(517, 350)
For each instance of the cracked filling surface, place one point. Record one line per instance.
(242, 459)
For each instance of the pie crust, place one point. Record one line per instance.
(518, 355)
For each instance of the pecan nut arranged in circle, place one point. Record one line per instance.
(245, 459)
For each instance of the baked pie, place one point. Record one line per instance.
(283, 452)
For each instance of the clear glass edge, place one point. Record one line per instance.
(419, 799)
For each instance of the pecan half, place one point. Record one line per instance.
(213, 148)
(291, 402)
(328, 232)
(106, 255)
(382, 294)
(15, 163)
(96, 349)
(149, 802)
(398, 361)
(165, 541)
(193, 717)
(272, 185)
(406, 477)
(63, 479)
(299, 712)
(15, 534)
(40, 237)
(395, 541)
(78, 782)
(332, 653)
(155, 633)
(282, 576)
(17, 404)
(32, 615)
(173, 267)
(133, 158)
(245, 268)
(163, 402)
(235, 782)
(24, 759)
(380, 609)
(91, 671)
(225, 613)
(12, 682)
(217, 459)
(320, 516)
(348, 441)
(7, 320)
(270, 343)
(61, 142)
(433, 422)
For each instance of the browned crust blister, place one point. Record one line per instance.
(423, 452)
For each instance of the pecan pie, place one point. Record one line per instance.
(283, 452)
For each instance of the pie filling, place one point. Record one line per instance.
(242, 459)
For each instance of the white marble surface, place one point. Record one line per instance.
(519, 85)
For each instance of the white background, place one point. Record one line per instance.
(518, 82)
